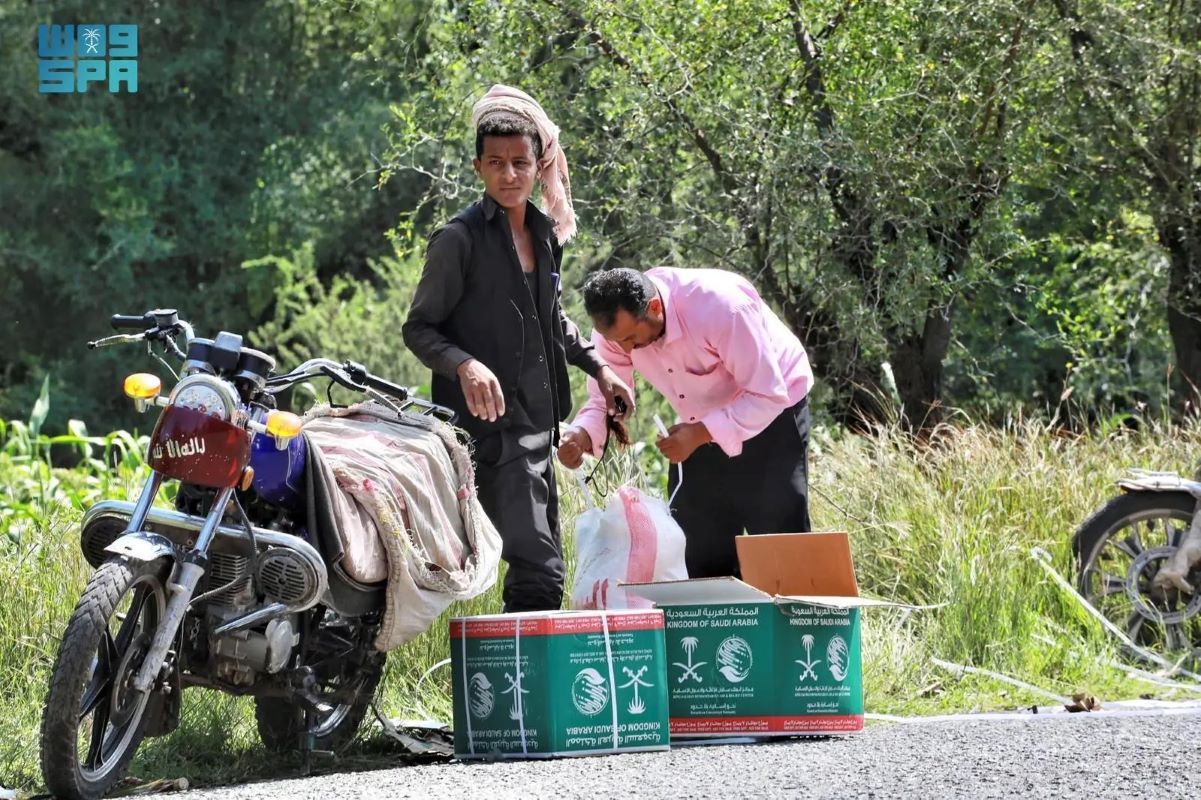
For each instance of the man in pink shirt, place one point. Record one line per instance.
(737, 378)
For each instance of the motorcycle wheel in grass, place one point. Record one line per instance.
(94, 720)
(1123, 546)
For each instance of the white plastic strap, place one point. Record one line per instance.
(1044, 560)
(417, 704)
(1029, 687)
(517, 689)
(679, 467)
(612, 679)
(466, 689)
(579, 477)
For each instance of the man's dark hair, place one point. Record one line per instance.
(505, 123)
(607, 292)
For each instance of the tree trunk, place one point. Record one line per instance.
(1184, 310)
(917, 366)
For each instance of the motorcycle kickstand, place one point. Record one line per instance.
(308, 737)
(308, 743)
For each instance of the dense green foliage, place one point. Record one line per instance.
(253, 134)
(981, 206)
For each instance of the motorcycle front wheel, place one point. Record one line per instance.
(93, 721)
(1120, 549)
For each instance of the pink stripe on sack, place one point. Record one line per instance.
(643, 542)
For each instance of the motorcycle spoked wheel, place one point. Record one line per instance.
(93, 720)
(281, 721)
(1120, 549)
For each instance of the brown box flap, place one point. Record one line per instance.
(792, 564)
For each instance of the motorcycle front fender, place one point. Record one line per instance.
(142, 546)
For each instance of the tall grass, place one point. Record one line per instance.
(947, 523)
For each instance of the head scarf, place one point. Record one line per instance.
(556, 187)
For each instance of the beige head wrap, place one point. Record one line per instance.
(556, 187)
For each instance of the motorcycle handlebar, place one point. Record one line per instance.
(125, 321)
(355, 376)
(359, 374)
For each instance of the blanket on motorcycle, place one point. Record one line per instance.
(404, 506)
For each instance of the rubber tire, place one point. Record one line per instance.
(72, 669)
(1097, 528)
(281, 721)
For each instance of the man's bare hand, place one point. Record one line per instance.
(572, 446)
(613, 387)
(482, 391)
(683, 440)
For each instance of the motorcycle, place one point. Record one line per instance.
(230, 589)
(1139, 559)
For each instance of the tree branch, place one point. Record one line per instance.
(855, 243)
(833, 24)
(720, 171)
(1080, 38)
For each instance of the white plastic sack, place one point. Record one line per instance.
(633, 539)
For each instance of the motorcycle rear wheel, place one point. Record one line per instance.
(1120, 548)
(281, 722)
(105, 642)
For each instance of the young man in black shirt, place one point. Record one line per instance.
(486, 319)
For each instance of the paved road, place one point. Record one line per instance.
(1079, 755)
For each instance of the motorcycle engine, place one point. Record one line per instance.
(239, 657)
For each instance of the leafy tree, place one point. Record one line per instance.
(848, 158)
(1139, 78)
(255, 129)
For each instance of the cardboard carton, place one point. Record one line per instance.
(562, 683)
(774, 654)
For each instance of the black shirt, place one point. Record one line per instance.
(474, 301)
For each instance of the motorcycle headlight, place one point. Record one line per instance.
(206, 395)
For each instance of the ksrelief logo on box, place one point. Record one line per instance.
(589, 692)
(559, 683)
(734, 659)
(838, 657)
(481, 698)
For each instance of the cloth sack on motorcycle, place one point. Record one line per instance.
(1174, 573)
(633, 539)
(405, 509)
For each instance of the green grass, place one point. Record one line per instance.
(949, 523)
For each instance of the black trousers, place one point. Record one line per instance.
(764, 489)
(515, 479)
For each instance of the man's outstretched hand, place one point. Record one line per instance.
(682, 441)
(613, 387)
(572, 446)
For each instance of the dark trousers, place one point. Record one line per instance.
(516, 486)
(764, 489)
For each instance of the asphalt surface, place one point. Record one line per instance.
(1078, 755)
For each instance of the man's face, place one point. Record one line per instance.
(630, 332)
(508, 169)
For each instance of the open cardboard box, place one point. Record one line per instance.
(774, 654)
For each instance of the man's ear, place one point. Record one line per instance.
(655, 307)
(475, 163)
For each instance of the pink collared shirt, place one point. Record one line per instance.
(724, 359)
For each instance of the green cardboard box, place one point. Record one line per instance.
(563, 683)
(775, 654)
